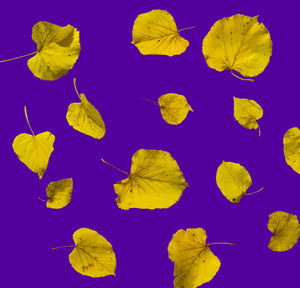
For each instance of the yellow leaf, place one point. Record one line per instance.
(155, 181)
(247, 112)
(155, 32)
(34, 150)
(85, 118)
(238, 43)
(194, 263)
(286, 231)
(291, 147)
(93, 255)
(59, 193)
(174, 108)
(58, 49)
(233, 180)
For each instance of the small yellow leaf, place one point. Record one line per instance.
(59, 193)
(155, 181)
(85, 118)
(174, 108)
(233, 180)
(194, 263)
(155, 32)
(291, 147)
(93, 255)
(58, 49)
(247, 112)
(238, 43)
(286, 231)
(34, 150)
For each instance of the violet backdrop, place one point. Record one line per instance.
(115, 76)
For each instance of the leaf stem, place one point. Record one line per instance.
(42, 199)
(26, 116)
(151, 101)
(254, 192)
(62, 247)
(7, 60)
(114, 167)
(259, 132)
(220, 243)
(193, 27)
(244, 79)
(76, 88)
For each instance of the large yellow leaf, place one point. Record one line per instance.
(93, 255)
(291, 148)
(194, 263)
(233, 180)
(247, 112)
(286, 231)
(174, 108)
(85, 118)
(59, 193)
(34, 150)
(238, 43)
(58, 49)
(155, 32)
(155, 181)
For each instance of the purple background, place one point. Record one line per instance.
(115, 76)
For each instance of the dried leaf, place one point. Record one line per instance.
(291, 145)
(34, 150)
(93, 255)
(233, 180)
(238, 43)
(174, 108)
(58, 49)
(286, 231)
(85, 118)
(247, 112)
(155, 32)
(194, 263)
(59, 193)
(155, 181)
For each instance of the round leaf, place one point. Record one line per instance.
(59, 193)
(93, 255)
(291, 147)
(233, 180)
(155, 32)
(34, 150)
(194, 263)
(238, 43)
(247, 112)
(174, 108)
(286, 231)
(58, 49)
(155, 181)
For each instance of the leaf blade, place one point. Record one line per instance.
(97, 252)
(156, 33)
(155, 182)
(238, 43)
